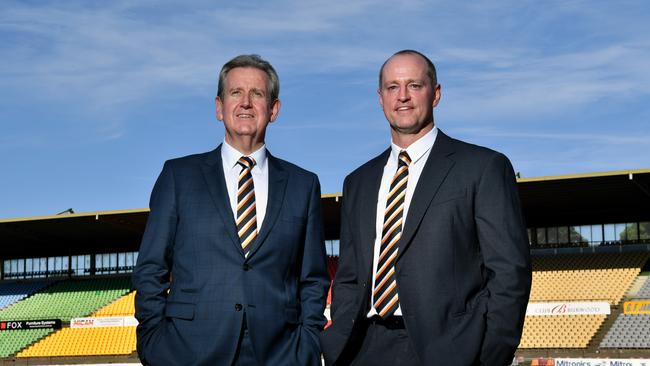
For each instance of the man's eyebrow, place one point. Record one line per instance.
(407, 81)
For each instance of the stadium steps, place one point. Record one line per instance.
(644, 291)
(636, 287)
(594, 344)
(616, 311)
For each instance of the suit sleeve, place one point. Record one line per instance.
(151, 276)
(344, 289)
(345, 282)
(506, 254)
(314, 281)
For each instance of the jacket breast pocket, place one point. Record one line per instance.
(448, 196)
(295, 220)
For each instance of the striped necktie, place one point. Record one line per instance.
(246, 213)
(385, 298)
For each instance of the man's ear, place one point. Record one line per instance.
(437, 94)
(275, 110)
(219, 108)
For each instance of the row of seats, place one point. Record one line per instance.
(76, 341)
(583, 277)
(591, 284)
(565, 331)
(589, 261)
(68, 299)
(12, 292)
(84, 342)
(15, 340)
(124, 306)
(630, 330)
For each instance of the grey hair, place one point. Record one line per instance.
(257, 62)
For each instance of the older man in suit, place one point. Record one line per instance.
(434, 261)
(232, 266)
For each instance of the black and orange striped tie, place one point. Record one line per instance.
(246, 212)
(385, 297)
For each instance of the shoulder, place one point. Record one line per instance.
(368, 167)
(471, 153)
(292, 169)
(192, 161)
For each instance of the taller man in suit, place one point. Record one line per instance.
(232, 266)
(434, 261)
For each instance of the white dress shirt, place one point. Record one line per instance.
(260, 173)
(418, 152)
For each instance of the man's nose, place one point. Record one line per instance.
(403, 94)
(246, 100)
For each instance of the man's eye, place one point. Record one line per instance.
(415, 86)
(235, 93)
(258, 94)
(392, 87)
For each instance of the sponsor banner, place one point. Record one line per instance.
(568, 308)
(30, 324)
(110, 321)
(636, 307)
(130, 321)
(601, 362)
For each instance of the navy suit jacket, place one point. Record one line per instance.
(194, 284)
(463, 267)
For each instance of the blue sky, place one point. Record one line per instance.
(96, 95)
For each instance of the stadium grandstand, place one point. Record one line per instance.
(66, 296)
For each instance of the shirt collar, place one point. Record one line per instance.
(417, 149)
(230, 156)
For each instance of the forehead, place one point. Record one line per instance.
(405, 66)
(246, 77)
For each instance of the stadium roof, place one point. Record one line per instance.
(82, 233)
(610, 197)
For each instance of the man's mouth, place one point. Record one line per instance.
(244, 115)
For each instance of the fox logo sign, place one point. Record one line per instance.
(11, 325)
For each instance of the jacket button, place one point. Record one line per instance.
(246, 267)
(238, 307)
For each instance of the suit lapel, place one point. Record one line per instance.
(433, 174)
(368, 212)
(276, 192)
(216, 182)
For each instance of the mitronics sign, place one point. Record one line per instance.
(30, 324)
(601, 362)
(568, 308)
(636, 307)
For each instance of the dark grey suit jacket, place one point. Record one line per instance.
(463, 267)
(191, 234)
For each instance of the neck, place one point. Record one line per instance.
(244, 144)
(405, 139)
